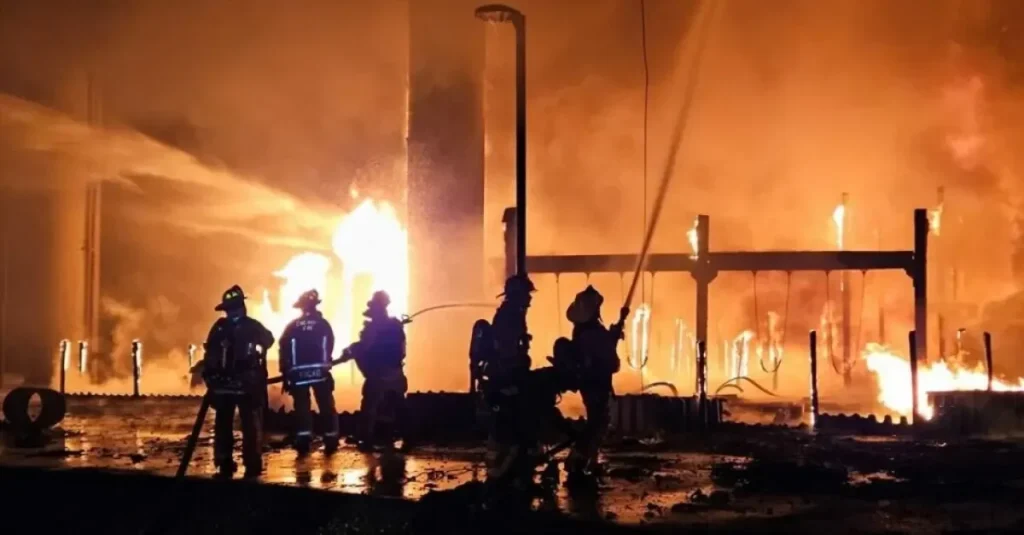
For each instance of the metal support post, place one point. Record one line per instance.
(814, 379)
(136, 368)
(65, 356)
(920, 275)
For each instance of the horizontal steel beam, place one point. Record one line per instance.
(728, 261)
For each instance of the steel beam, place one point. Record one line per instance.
(729, 261)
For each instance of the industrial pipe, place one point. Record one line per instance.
(65, 350)
(988, 358)
(814, 379)
(83, 356)
(136, 367)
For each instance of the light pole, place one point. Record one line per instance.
(498, 13)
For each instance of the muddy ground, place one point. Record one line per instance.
(738, 478)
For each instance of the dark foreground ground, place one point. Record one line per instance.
(107, 471)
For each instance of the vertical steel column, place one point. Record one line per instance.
(988, 358)
(510, 219)
(65, 350)
(703, 274)
(520, 25)
(136, 367)
(814, 379)
(921, 226)
(83, 356)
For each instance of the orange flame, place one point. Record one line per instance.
(370, 242)
(894, 389)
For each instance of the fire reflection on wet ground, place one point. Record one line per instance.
(744, 476)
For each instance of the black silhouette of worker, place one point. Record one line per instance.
(380, 356)
(235, 371)
(306, 346)
(595, 346)
(511, 336)
(530, 414)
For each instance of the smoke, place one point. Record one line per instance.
(799, 101)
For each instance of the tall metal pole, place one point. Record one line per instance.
(814, 379)
(499, 13)
(703, 276)
(920, 276)
(519, 22)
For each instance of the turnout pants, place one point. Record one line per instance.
(381, 404)
(250, 410)
(597, 401)
(324, 394)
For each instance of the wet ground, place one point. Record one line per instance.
(737, 479)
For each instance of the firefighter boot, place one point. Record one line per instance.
(303, 444)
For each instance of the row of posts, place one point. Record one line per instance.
(83, 357)
(815, 407)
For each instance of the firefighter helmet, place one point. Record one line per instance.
(379, 301)
(308, 299)
(518, 285)
(233, 298)
(586, 307)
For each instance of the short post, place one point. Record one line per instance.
(191, 355)
(702, 382)
(988, 358)
(83, 356)
(65, 350)
(136, 367)
(912, 338)
(814, 379)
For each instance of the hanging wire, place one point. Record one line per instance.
(777, 362)
(828, 305)
(647, 88)
(757, 315)
(860, 318)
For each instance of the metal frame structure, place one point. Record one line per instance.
(705, 266)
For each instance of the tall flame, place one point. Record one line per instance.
(640, 336)
(694, 238)
(740, 362)
(371, 245)
(894, 389)
(935, 220)
(839, 219)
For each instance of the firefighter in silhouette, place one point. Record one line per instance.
(235, 371)
(531, 414)
(595, 346)
(306, 347)
(380, 356)
(511, 338)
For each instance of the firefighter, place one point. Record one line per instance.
(380, 356)
(530, 414)
(595, 346)
(306, 347)
(511, 338)
(235, 371)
